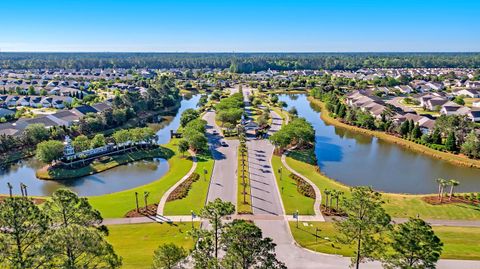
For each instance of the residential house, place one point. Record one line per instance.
(426, 124)
(5, 113)
(472, 84)
(372, 104)
(64, 118)
(471, 93)
(404, 89)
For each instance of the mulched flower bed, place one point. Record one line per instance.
(434, 200)
(151, 210)
(332, 212)
(182, 190)
(37, 201)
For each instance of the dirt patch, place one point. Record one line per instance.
(37, 201)
(435, 200)
(151, 210)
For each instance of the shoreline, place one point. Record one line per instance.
(445, 156)
(95, 168)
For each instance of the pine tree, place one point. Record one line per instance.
(451, 143)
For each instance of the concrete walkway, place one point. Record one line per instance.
(164, 198)
(318, 194)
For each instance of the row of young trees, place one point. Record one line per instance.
(65, 232)
(51, 150)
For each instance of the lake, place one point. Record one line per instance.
(357, 159)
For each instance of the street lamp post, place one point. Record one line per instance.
(296, 215)
(10, 187)
(21, 189)
(205, 174)
(25, 189)
(145, 197)
(136, 200)
(280, 172)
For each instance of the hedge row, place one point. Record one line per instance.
(303, 187)
(182, 190)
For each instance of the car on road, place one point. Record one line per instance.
(215, 132)
(223, 144)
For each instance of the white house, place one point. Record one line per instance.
(472, 93)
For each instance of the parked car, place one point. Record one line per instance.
(223, 144)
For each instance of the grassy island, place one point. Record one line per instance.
(108, 162)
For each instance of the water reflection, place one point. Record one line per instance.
(357, 159)
(119, 178)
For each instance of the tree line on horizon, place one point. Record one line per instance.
(238, 62)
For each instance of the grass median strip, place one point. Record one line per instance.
(116, 205)
(197, 195)
(397, 205)
(244, 200)
(135, 243)
(459, 242)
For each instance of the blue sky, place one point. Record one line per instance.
(251, 26)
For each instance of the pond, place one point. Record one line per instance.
(357, 159)
(117, 179)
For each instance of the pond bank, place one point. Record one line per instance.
(450, 157)
(98, 166)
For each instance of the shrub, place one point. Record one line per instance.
(303, 187)
(182, 190)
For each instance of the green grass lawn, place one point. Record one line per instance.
(135, 243)
(197, 195)
(243, 208)
(292, 199)
(397, 205)
(459, 242)
(115, 205)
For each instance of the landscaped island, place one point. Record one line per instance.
(97, 156)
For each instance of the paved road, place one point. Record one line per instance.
(265, 195)
(265, 198)
(223, 184)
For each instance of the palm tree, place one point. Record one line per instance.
(333, 194)
(443, 184)
(439, 182)
(338, 194)
(327, 193)
(453, 183)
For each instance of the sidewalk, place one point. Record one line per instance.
(163, 200)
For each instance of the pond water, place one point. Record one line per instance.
(357, 159)
(119, 178)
